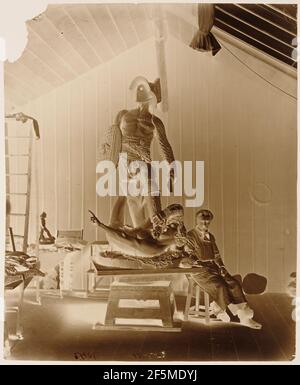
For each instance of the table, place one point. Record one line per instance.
(175, 270)
(18, 282)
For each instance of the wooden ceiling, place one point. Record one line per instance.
(66, 41)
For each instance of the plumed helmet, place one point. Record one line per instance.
(174, 211)
(141, 87)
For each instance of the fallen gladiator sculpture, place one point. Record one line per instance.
(142, 242)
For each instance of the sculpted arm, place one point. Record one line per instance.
(163, 140)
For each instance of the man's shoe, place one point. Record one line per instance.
(219, 312)
(250, 323)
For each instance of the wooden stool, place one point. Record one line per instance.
(160, 291)
(194, 290)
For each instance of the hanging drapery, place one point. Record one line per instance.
(204, 40)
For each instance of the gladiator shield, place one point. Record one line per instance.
(111, 145)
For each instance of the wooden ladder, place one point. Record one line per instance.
(26, 155)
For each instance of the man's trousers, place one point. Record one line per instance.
(224, 290)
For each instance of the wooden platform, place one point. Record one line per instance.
(177, 270)
(150, 302)
(177, 327)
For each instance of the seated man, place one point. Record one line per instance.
(225, 291)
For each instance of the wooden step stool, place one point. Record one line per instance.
(160, 291)
(194, 290)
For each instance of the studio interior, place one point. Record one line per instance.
(202, 266)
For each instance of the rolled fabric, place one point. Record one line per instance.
(204, 40)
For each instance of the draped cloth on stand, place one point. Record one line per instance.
(204, 40)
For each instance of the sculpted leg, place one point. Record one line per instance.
(117, 216)
(138, 214)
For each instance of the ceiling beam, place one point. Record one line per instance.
(42, 69)
(120, 15)
(253, 39)
(31, 78)
(72, 34)
(107, 27)
(54, 38)
(253, 26)
(276, 9)
(87, 25)
(20, 82)
(39, 47)
(178, 15)
(244, 8)
(76, 22)
(140, 21)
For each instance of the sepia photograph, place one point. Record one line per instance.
(149, 183)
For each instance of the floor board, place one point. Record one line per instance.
(61, 329)
(268, 338)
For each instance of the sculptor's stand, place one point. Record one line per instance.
(158, 291)
(161, 306)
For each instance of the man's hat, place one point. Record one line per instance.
(254, 283)
(205, 215)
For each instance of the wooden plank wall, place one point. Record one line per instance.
(219, 112)
(245, 131)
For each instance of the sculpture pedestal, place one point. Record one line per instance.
(132, 305)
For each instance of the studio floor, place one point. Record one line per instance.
(61, 329)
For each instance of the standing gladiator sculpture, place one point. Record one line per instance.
(132, 133)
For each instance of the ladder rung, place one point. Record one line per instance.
(16, 155)
(16, 137)
(15, 236)
(15, 193)
(17, 174)
(17, 214)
